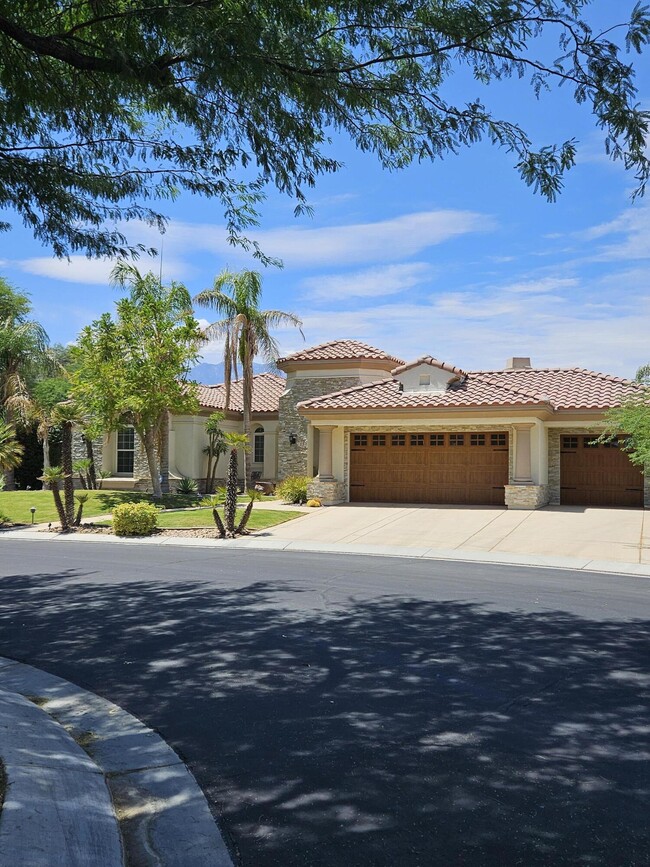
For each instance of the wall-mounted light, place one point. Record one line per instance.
(293, 439)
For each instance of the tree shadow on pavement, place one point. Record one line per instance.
(375, 732)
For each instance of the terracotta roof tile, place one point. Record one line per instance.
(267, 388)
(340, 350)
(434, 362)
(558, 388)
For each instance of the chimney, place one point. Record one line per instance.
(517, 363)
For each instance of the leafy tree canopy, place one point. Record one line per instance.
(107, 107)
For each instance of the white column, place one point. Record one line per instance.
(522, 454)
(325, 452)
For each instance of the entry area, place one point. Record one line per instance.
(464, 468)
(597, 474)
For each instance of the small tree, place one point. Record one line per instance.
(82, 499)
(133, 368)
(227, 528)
(53, 477)
(216, 447)
(633, 419)
(66, 414)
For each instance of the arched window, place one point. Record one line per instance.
(258, 446)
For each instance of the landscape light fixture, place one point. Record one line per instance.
(33, 511)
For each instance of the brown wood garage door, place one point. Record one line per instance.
(465, 468)
(597, 475)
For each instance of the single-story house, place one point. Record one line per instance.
(368, 427)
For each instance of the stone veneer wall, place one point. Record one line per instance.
(79, 453)
(292, 460)
(327, 492)
(434, 428)
(526, 496)
(554, 462)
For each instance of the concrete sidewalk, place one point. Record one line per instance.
(89, 784)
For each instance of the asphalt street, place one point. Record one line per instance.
(357, 711)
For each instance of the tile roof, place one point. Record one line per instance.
(341, 350)
(433, 362)
(267, 388)
(558, 388)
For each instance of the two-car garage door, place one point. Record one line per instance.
(465, 467)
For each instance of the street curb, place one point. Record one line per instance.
(260, 543)
(163, 815)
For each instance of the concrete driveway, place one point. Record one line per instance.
(620, 535)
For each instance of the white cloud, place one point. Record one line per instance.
(482, 328)
(541, 286)
(80, 269)
(346, 244)
(633, 225)
(368, 283)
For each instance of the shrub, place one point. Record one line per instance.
(314, 503)
(187, 487)
(135, 519)
(293, 489)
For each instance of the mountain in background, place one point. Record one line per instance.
(212, 374)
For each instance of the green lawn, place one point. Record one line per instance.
(260, 518)
(15, 505)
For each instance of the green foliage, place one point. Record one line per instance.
(134, 367)
(643, 374)
(11, 450)
(246, 333)
(187, 487)
(50, 391)
(135, 519)
(258, 88)
(633, 419)
(293, 489)
(2, 481)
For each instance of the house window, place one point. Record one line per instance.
(398, 440)
(588, 443)
(258, 446)
(613, 444)
(456, 439)
(569, 442)
(436, 439)
(125, 450)
(361, 439)
(379, 439)
(417, 439)
(477, 439)
(498, 439)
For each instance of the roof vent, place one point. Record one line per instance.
(517, 363)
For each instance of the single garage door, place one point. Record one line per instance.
(466, 468)
(597, 474)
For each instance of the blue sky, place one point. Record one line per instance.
(457, 259)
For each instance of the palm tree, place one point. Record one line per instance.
(215, 448)
(11, 451)
(235, 442)
(67, 415)
(53, 477)
(246, 332)
(24, 348)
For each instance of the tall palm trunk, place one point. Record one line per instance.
(9, 473)
(46, 452)
(148, 440)
(66, 462)
(248, 401)
(230, 505)
(63, 518)
(90, 454)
